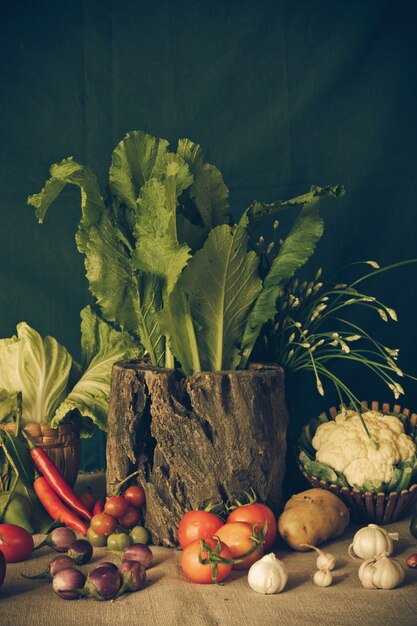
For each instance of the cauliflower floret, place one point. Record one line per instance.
(344, 445)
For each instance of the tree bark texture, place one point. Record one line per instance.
(207, 436)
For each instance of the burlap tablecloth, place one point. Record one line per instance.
(170, 600)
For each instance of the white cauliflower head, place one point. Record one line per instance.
(344, 445)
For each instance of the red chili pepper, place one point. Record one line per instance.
(99, 506)
(56, 480)
(56, 509)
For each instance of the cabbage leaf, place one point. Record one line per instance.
(102, 346)
(38, 368)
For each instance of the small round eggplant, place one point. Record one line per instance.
(60, 562)
(68, 583)
(112, 566)
(81, 551)
(103, 583)
(59, 539)
(133, 574)
(138, 552)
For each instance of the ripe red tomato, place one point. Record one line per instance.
(116, 506)
(16, 543)
(237, 537)
(103, 524)
(196, 525)
(257, 513)
(135, 496)
(198, 572)
(130, 518)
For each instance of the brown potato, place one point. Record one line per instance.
(312, 516)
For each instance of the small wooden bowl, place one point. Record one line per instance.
(61, 444)
(381, 508)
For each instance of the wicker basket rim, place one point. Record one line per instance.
(62, 429)
(351, 490)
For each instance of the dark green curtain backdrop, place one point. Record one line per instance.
(281, 95)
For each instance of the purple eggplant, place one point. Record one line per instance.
(134, 576)
(81, 551)
(68, 584)
(59, 539)
(103, 583)
(138, 552)
(58, 563)
(112, 566)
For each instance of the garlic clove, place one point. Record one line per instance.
(323, 578)
(389, 573)
(366, 574)
(325, 560)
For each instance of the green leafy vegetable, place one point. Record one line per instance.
(136, 159)
(322, 471)
(41, 368)
(9, 404)
(179, 328)
(164, 261)
(221, 282)
(71, 172)
(208, 194)
(37, 367)
(102, 346)
(257, 212)
(156, 229)
(21, 457)
(17, 456)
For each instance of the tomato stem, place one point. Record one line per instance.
(213, 555)
(234, 503)
(125, 480)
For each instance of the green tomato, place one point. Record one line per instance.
(96, 540)
(118, 541)
(139, 534)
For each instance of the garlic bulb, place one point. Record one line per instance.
(323, 578)
(268, 575)
(325, 560)
(381, 573)
(371, 541)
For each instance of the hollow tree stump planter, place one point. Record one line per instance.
(206, 436)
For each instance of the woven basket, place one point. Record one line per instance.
(62, 445)
(381, 508)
